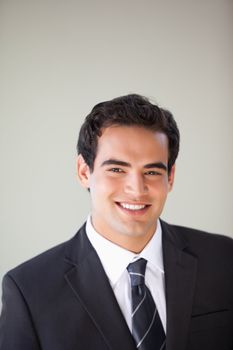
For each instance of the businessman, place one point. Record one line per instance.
(127, 280)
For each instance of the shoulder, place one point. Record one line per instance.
(37, 269)
(196, 234)
(47, 265)
(200, 242)
(211, 253)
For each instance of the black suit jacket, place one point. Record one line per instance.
(62, 300)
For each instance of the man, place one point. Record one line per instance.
(127, 280)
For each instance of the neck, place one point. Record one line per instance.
(133, 244)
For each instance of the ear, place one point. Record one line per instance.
(83, 172)
(171, 178)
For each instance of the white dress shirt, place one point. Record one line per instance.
(115, 260)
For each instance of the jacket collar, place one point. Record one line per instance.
(180, 277)
(88, 281)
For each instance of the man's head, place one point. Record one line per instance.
(129, 110)
(127, 149)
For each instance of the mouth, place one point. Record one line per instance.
(133, 209)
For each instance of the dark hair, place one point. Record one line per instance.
(129, 110)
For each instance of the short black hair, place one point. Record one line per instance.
(129, 110)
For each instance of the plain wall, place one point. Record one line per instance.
(59, 58)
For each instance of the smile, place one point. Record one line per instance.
(133, 207)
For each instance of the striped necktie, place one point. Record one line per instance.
(147, 328)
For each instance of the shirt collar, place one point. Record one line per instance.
(115, 259)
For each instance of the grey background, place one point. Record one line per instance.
(59, 58)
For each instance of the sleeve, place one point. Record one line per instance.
(17, 331)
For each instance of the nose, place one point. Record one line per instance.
(135, 185)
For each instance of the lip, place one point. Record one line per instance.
(138, 212)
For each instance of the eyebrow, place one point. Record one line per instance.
(159, 165)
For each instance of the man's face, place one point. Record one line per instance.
(129, 184)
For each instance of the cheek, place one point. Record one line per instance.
(160, 186)
(103, 186)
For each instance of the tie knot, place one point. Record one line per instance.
(137, 272)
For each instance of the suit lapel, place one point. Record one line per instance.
(90, 284)
(180, 274)
(92, 289)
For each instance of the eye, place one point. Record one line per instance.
(152, 173)
(116, 170)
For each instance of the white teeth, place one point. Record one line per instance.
(132, 206)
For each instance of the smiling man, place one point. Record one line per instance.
(128, 184)
(127, 280)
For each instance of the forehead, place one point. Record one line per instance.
(132, 143)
